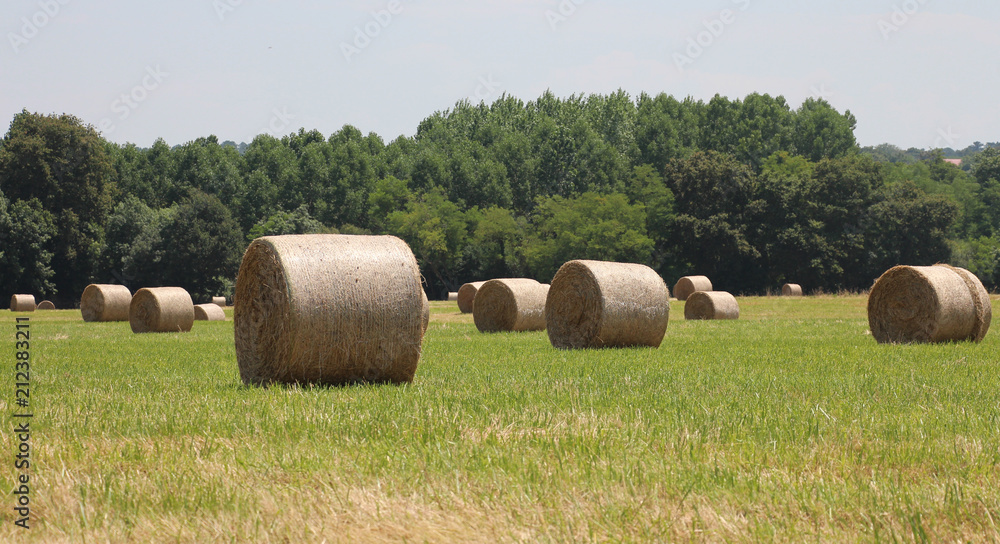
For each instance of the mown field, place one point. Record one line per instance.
(788, 425)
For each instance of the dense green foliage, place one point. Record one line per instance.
(751, 192)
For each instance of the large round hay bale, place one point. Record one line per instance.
(46, 305)
(689, 284)
(161, 309)
(452, 296)
(513, 305)
(103, 302)
(791, 290)
(22, 303)
(711, 305)
(924, 304)
(467, 296)
(208, 312)
(425, 312)
(219, 301)
(594, 304)
(328, 309)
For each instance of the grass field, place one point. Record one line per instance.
(788, 425)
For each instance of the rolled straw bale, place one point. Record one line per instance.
(928, 304)
(22, 303)
(689, 284)
(467, 296)
(46, 305)
(161, 309)
(594, 304)
(208, 312)
(791, 290)
(452, 296)
(329, 309)
(711, 305)
(102, 302)
(219, 301)
(425, 312)
(513, 304)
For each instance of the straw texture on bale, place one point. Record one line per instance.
(425, 312)
(101, 302)
(689, 284)
(22, 303)
(512, 305)
(791, 290)
(328, 309)
(161, 309)
(46, 305)
(452, 296)
(467, 296)
(208, 312)
(711, 305)
(928, 304)
(595, 304)
(219, 301)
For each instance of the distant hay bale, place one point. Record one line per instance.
(452, 296)
(103, 302)
(689, 284)
(161, 309)
(467, 296)
(928, 304)
(594, 304)
(208, 312)
(513, 305)
(219, 301)
(425, 312)
(46, 305)
(22, 303)
(711, 305)
(328, 309)
(791, 290)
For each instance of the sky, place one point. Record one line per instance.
(915, 73)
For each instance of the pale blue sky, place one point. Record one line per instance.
(237, 68)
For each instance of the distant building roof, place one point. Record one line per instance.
(956, 162)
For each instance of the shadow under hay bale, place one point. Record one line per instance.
(791, 290)
(689, 284)
(928, 304)
(328, 309)
(103, 302)
(208, 312)
(467, 296)
(595, 304)
(711, 305)
(161, 309)
(22, 303)
(510, 305)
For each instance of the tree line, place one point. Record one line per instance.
(750, 192)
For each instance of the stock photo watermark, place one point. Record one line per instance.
(562, 13)
(128, 102)
(278, 125)
(31, 26)
(945, 138)
(364, 35)
(225, 7)
(486, 88)
(901, 15)
(714, 29)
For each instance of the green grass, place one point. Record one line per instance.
(790, 424)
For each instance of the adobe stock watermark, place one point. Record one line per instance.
(128, 102)
(486, 88)
(945, 138)
(714, 29)
(364, 35)
(820, 92)
(278, 125)
(31, 26)
(562, 13)
(901, 14)
(225, 7)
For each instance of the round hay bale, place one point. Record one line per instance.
(208, 312)
(467, 296)
(711, 305)
(791, 290)
(689, 284)
(22, 303)
(328, 309)
(425, 312)
(512, 305)
(219, 301)
(46, 305)
(928, 304)
(452, 296)
(595, 304)
(161, 309)
(103, 302)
